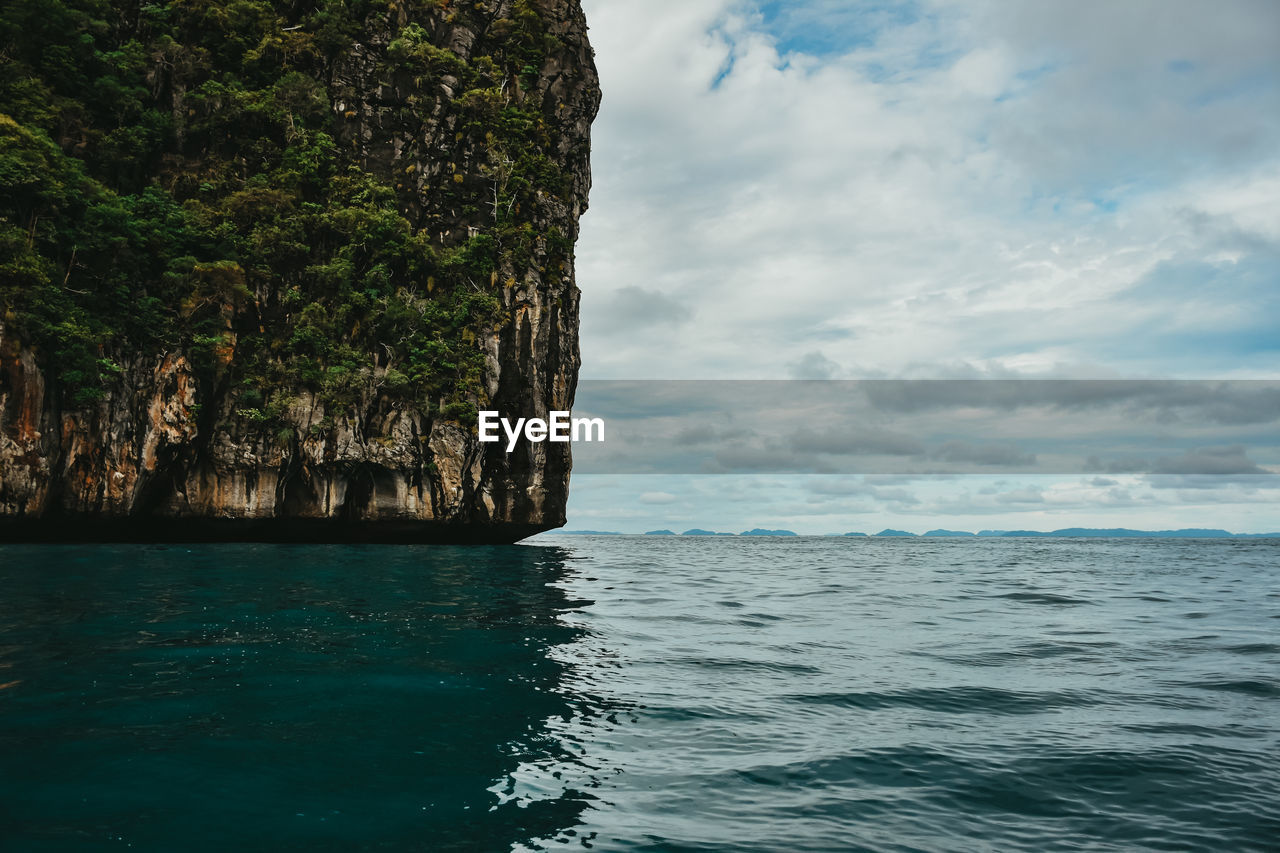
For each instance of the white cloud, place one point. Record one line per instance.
(816, 504)
(977, 188)
(833, 189)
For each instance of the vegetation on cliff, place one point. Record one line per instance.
(205, 176)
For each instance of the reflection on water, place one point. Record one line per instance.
(882, 694)
(252, 696)
(735, 695)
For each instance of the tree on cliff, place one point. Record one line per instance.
(284, 250)
(175, 175)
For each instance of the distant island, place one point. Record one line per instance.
(1091, 533)
(1063, 533)
(1126, 533)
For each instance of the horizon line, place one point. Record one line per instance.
(944, 533)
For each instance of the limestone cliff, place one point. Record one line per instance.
(366, 223)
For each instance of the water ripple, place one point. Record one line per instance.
(644, 693)
(980, 695)
(951, 700)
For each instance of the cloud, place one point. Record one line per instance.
(814, 365)
(1021, 496)
(929, 185)
(1121, 465)
(858, 487)
(1204, 467)
(943, 190)
(657, 498)
(634, 308)
(696, 435)
(924, 426)
(859, 441)
(820, 504)
(1212, 468)
(746, 458)
(1210, 460)
(1126, 76)
(1197, 401)
(983, 454)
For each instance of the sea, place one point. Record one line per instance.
(643, 693)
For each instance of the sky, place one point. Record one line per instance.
(825, 189)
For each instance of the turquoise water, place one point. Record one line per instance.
(643, 693)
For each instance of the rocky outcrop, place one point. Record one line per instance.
(170, 451)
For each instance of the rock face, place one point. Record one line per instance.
(169, 450)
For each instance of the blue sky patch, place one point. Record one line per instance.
(824, 28)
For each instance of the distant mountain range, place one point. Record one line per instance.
(1093, 533)
(1064, 533)
(1126, 533)
(697, 531)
